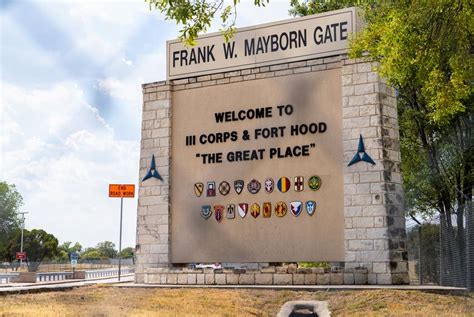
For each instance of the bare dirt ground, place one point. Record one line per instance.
(110, 301)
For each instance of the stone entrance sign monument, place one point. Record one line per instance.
(271, 148)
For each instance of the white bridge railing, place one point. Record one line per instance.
(60, 276)
(6, 278)
(53, 276)
(107, 273)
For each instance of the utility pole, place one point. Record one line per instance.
(22, 228)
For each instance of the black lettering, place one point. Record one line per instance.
(183, 56)
(229, 49)
(192, 57)
(175, 57)
(219, 116)
(301, 38)
(249, 47)
(318, 37)
(343, 31)
(274, 40)
(285, 37)
(327, 34)
(210, 54)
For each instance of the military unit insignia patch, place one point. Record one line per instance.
(198, 189)
(224, 188)
(218, 212)
(254, 186)
(310, 207)
(299, 183)
(314, 182)
(211, 189)
(280, 209)
(296, 207)
(230, 211)
(269, 185)
(255, 210)
(206, 211)
(239, 186)
(283, 184)
(267, 210)
(243, 209)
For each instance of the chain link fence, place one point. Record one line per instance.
(441, 250)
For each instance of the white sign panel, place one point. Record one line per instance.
(284, 41)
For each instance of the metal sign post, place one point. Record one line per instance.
(21, 243)
(127, 191)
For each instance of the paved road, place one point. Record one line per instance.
(59, 285)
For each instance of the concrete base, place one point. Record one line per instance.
(25, 277)
(79, 275)
(318, 308)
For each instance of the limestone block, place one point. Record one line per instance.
(191, 278)
(220, 278)
(200, 279)
(182, 279)
(348, 278)
(264, 279)
(232, 279)
(298, 279)
(247, 279)
(172, 278)
(337, 278)
(310, 279)
(282, 279)
(323, 279)
(209, 279)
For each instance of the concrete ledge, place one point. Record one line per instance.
(25, 277)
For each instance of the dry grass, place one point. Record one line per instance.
(110, 301)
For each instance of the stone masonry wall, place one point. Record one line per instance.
(374, 215)
(373, 198)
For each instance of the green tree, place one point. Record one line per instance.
(65, 249)
(127, 253)
(107, 249)
(91, 254)
(10, 203)
(38, 245)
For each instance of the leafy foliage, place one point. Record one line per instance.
(127, 253)
(65, 249)
(10, 203)
(196, 16)
(38, 245)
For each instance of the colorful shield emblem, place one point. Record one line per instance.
(206, 211)
(254, 186)
(239, 186)
(198, 189)
(310, 207)
(283, 184)
(243, 209)
(267, 210)
(269, 185)
(314, 182)
(224, 188)
(230, 211)
(219, 212)
(299, 183)
(255, 210)
(211, 189)
(296, 207)
(280, 209)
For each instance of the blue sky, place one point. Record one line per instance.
(70, 106)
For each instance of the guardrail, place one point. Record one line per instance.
(53, 276)
(6, 278)
(107, 273)
(61, 276)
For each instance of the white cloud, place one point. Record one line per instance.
(62, 155)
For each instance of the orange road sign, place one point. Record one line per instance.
(122, 190)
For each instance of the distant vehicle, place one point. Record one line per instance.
(206, 266)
